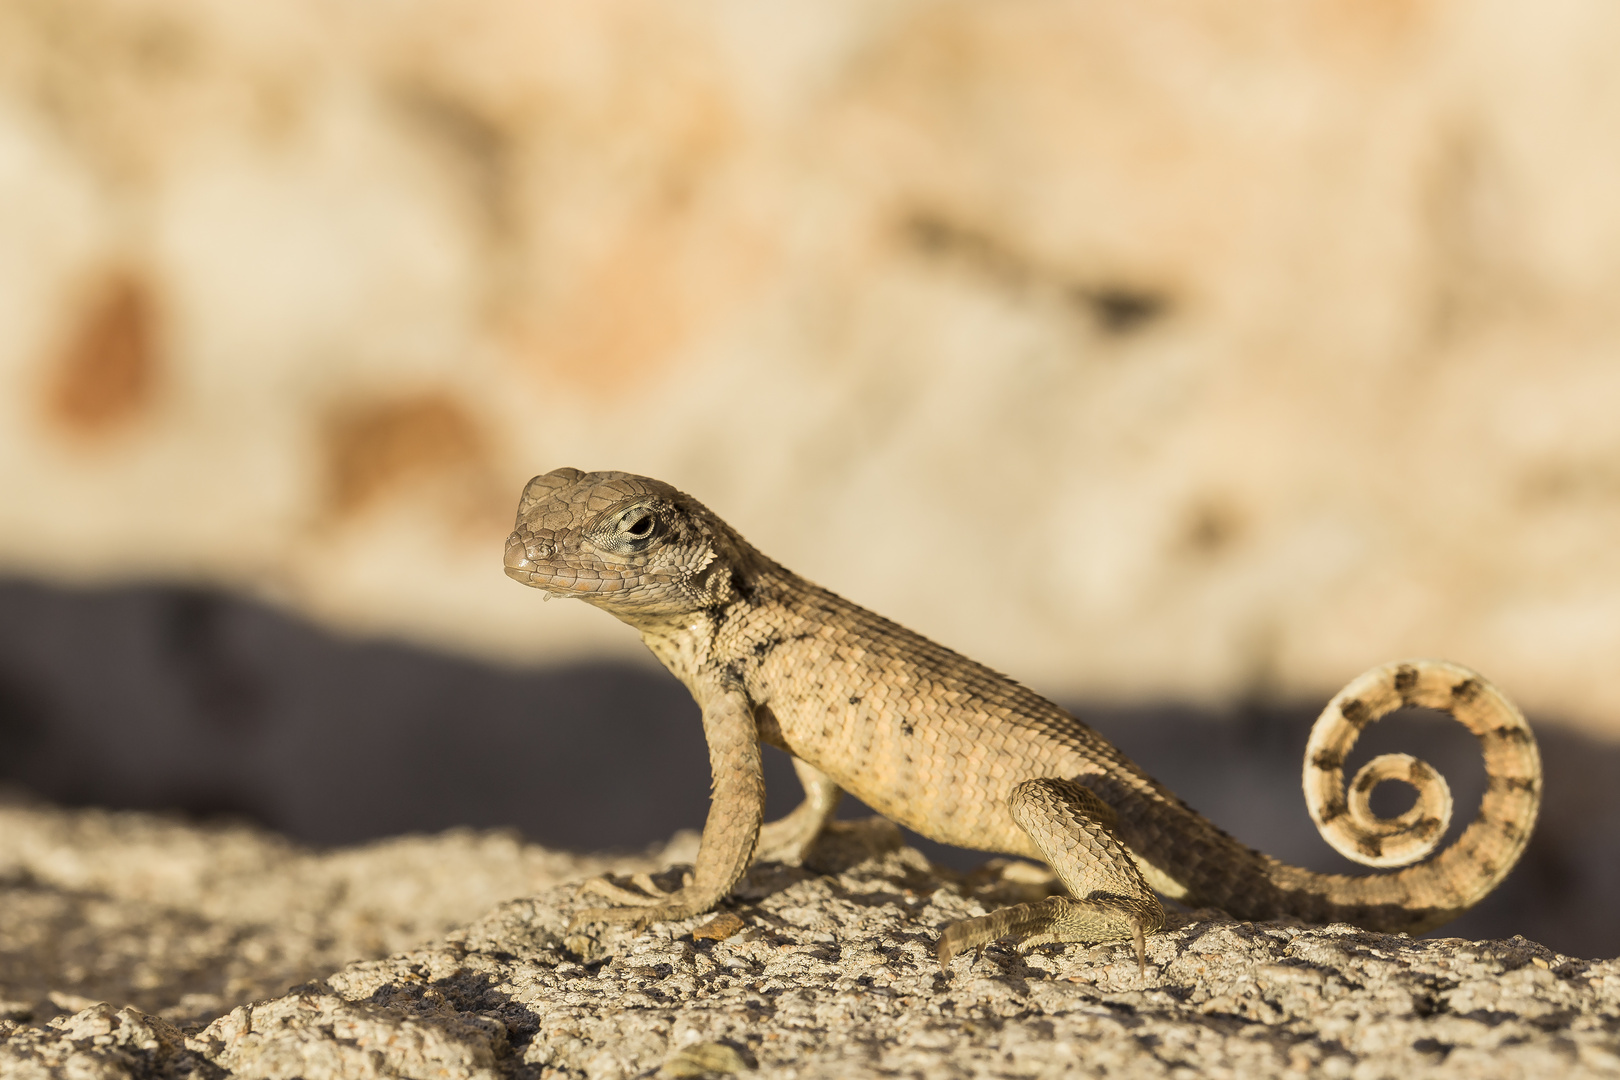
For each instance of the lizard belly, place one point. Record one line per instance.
(938, 776)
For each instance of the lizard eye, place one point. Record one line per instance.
(637, 523)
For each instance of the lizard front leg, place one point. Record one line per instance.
(787, 839)
(736, 808)
(1108, 899)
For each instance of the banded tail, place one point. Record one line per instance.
(1462, 874)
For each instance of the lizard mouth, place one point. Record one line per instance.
(538, 566)
(522, 566)
(528, 577)
(550, 580)
(558, 579)
(568, 581)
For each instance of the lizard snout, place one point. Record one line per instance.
(517, 556)
(520, 557)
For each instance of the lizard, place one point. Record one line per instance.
(969, 757)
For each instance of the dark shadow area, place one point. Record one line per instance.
(183, 699)
(165, 698)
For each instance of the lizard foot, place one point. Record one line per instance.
(640, 909)
(1108, 898)
(650, 896)
(638, 917)
(1055, 919)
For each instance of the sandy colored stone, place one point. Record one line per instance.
(1217, 353)
(833, 975)
(183, 921)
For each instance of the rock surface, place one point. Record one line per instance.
(185, 922)
(823, 972)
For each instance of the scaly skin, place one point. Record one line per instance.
(966, 756)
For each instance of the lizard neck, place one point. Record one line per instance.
(685, 646)
(706, 644)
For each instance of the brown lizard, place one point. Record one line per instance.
(966, 756)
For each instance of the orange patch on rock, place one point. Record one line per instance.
(672, 255)
(107, 374)
(427, 443)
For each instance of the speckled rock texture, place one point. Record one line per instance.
(828, 971)
(185, 922)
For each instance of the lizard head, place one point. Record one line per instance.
(628, 544)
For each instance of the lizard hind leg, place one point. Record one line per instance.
(1109, 899)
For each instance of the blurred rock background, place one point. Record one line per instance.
(1181, 362)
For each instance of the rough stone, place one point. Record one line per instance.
(185, 921)
(833, 975)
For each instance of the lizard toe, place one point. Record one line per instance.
(638, 917)
(650, 896)
(1055, 920)
(641, 912)
(1021, 922)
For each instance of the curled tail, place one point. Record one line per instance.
(1481, 857)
